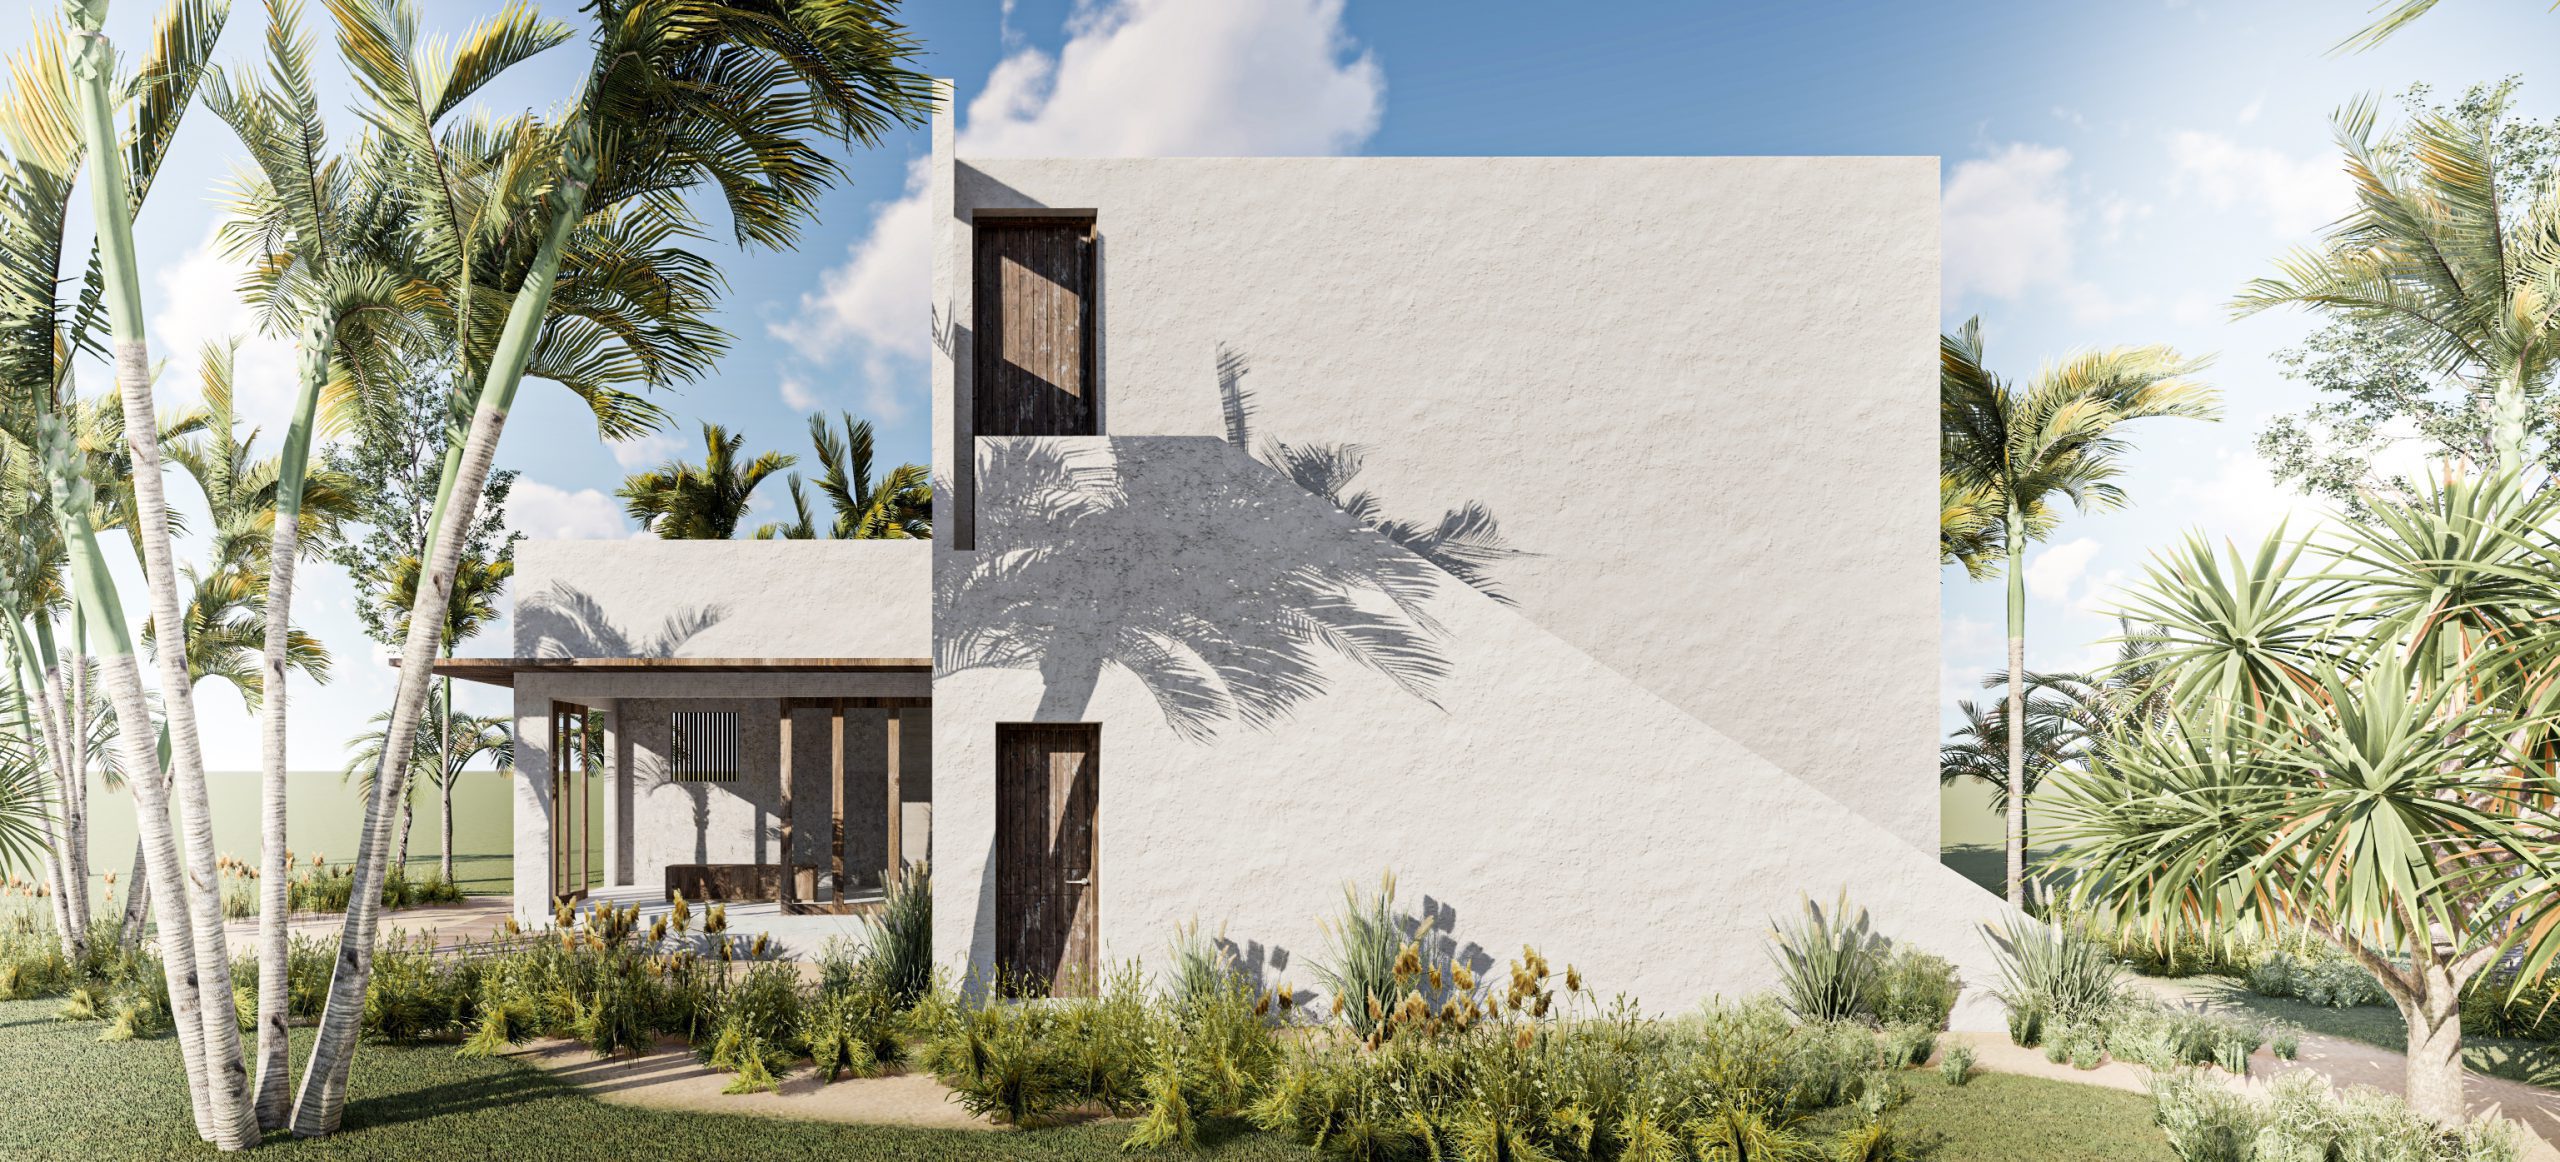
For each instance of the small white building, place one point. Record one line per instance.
(1622, 642)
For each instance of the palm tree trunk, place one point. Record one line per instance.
(75, 850)
(137, 901)
(232, 1122)
(274, 950)
(444, 861)
(2507, 415)
(42, 738)
(62, 759)
(322, 1098)
(2017, 845)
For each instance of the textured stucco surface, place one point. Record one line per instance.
(722, 599)
(1530, 794)
(1698, 389)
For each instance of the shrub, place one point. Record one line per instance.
(2285, 1039)
(2204, 1120)
(901, 938)
(1828, 963)
(1915, 988)
(1957, 1064)
(1361, 950)
(417, 994)
(2318, 975)
(1906, 1045)
(2053, 973)
(2493, 1006)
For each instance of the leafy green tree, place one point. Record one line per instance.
(896, 507)
(2027, 451)
(2440, 288)
(700, 502)
(2361, 750)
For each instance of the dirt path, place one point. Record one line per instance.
(2344, 1063)
(671, 1079)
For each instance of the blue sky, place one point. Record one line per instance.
(2112, 173)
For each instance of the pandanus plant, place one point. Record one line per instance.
(2364, 751)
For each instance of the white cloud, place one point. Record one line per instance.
(199, 304)
(2297, 195)
(543, 512)
(2242, 501)
(1136, 78)
(643, 452)
(798, 396)
(2005, 222)
(2051, 572)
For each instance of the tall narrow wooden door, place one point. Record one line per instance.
(1033, 286)
(1047, 786)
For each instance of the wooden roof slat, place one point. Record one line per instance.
(503, 671)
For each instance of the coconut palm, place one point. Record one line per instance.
(2396, 15)
(2361, 752)
(2434, 260)
(705, 502)
(896, 507)
(2028, 450)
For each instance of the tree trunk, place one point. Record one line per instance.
(2434, 1071)
(2017, 538)
(444, 861)
(75, 814)
(322, 1098)
(137, 903)
(2508, 414)
(44, 675)
(23, 673)
(232, 1121)
(275, 1102)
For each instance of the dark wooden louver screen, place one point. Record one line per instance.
(1034, 317)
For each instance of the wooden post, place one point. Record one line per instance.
(890, 875)
(782, 725)
(835, 765)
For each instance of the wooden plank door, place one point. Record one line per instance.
(1033, 286)
(1047, 786)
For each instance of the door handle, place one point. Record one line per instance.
(1082, 883)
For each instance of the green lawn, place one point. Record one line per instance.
(68, 1096)
(2531, 1062)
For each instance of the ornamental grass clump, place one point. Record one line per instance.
(1828, 962)
(2050, 974)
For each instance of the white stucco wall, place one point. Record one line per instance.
(722, 599)
(1697, 389)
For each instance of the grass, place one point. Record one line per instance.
(2002, 1117)
(2531, 1062)
(70, 1096)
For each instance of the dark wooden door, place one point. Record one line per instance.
(1047, 784)
(1033, 286)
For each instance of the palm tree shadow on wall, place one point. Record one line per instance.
(1223, 583)
(564, 621)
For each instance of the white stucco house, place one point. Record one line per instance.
(1623, 641)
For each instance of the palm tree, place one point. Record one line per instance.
(741, 95)
(685, 502)
(1968, 527)
(476, 586)
(898, 507)
(190, 908)
(2069, 715)
(2361, 752)
(2434, 260)
(2399, 15)
(462, 739)
(2025, 451)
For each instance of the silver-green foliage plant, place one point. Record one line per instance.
(1827, 961)
(1956, 1064)
(2053, 974)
